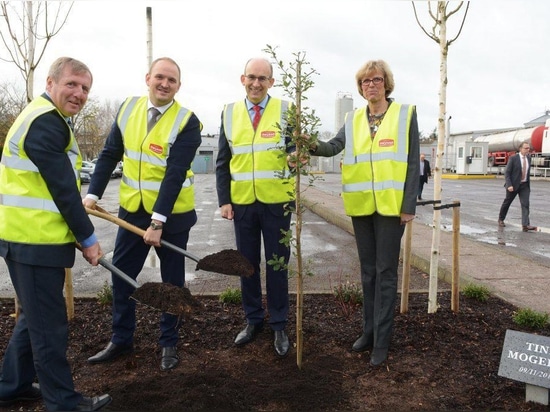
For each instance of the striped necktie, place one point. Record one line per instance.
(153, 117)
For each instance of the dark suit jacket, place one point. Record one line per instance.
(427, 172)
(513, 171)
(45, 145)
(182, 153)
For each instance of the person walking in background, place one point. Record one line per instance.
(157, 139)
(517, 182)
(380, 173)
(256, 198)
(425, 173)
(41, 216)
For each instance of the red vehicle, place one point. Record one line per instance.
(505, 144)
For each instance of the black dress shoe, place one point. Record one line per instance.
(30, 395)
(378, 356)
(248, 334)
(281, 343)
(110, 352)
(362, 344)
(169, 358)
(94, 404)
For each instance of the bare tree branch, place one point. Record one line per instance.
(28, 28)
(463, 20)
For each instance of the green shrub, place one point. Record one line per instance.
(349, 293)
(530, 318)
(231, 295)
(477, 292)
(105, 294)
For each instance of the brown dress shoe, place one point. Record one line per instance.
(528, 227)
(501, 223)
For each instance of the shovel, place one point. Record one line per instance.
(227, 262)
(160, 296)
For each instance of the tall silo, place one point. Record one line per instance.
(344, 104)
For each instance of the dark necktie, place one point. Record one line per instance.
(153, 117)
(257, 116)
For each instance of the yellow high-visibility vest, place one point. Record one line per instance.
(28, 213)
(258, 165)
(374, 170)
(145, 155)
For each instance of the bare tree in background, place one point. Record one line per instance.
(438, 33)
(26, 31)
(12, 102)
(92, 125)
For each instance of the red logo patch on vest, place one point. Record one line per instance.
(267, 134)
(386, 143)
(155, 148)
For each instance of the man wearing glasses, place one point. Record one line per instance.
(252, 193)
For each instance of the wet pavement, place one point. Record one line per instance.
(512, 264)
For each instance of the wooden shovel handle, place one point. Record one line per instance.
(102, 213)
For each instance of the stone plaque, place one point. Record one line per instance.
(526, 358)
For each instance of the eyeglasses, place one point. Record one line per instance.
(261, 79)
(374, 80)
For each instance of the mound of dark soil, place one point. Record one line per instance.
(441, 361)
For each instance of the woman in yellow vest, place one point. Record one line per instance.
(380, 172)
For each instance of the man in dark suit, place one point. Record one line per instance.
(41, 216)
(425, 173)
(517, 183)
(157, 139)
(253, 195)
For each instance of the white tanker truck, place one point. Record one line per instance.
(505, 144)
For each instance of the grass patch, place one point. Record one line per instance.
(231, 295)
(530, 318)
(477, 292)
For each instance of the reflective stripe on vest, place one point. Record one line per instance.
(145, 160)
(28, 213)
(374, 170)
(258, 164)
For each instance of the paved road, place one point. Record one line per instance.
(480, 201)
(329, 251)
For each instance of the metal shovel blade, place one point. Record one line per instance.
(227, 262)
(159, 296)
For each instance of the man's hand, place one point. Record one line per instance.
(92, 254)
(152, 237)
(89, 203)
(227, 211)
(293, 157)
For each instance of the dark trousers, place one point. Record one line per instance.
(251, 223)
(39, 341)
(421, 184)
(129, 256)
(524, 192)
(378, 241)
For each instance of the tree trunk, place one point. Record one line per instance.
(434, 262)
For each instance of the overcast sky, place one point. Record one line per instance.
(498, 70)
